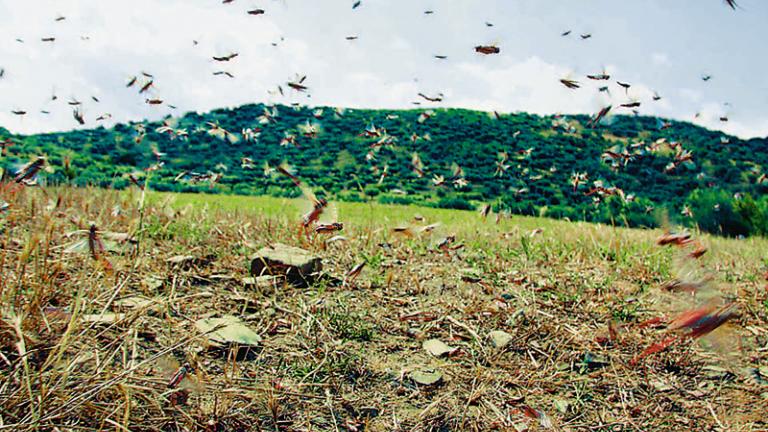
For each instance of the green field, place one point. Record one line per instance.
(574, 300)
(561, 236)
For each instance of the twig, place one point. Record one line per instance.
(80, 399)
(468, 329)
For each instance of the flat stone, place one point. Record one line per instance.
(227, 330)
(437, 347)
(500, 339)
(180, 259)
(297, 265)
(426, 377)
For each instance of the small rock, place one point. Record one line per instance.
(562, 405)
(153, 283)
(426, 377)
(180, 259)
(230, 330)
(592, 362)
(500, 339)
(437, 348)
(297, 265)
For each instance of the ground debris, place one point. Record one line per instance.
(227, 330)
(324, 354)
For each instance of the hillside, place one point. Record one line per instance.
(543, 154)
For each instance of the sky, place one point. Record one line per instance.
(658, 46)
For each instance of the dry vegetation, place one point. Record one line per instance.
(76, 355)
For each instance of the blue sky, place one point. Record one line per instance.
(656, 45)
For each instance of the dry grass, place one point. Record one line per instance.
(339, 357)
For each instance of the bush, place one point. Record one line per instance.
(715, 211)
(395, 199)
(454, 203)
(754, 213)
(350, 196)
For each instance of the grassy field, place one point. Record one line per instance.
(92, 340)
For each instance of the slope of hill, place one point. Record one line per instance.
(522, 163)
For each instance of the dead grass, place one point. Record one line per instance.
(333, 357)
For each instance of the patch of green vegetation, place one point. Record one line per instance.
(337, 163)
(628, 312)
(349, 325)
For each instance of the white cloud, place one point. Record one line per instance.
(690, 95)
(386, 67)
(711, 114)
(660, 59)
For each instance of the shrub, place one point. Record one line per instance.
(454, 202)
(714, 211)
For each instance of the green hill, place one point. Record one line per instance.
(543, 154)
